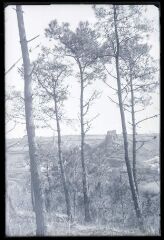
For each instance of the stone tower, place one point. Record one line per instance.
(110, 138)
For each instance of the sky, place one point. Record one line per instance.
(37, 18)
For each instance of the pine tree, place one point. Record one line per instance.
(82, 46)
(30, 127)
(50, 74)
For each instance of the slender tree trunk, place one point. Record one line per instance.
(49, 192)
(74, 193)
(74, 203)
(32, 197)
(134, 134)
(125, 138)
(122, 204)
(84, 180)
(40, 228)
(66, 192)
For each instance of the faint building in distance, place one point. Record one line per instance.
(111, 137)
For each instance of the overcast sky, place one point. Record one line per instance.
(36, 19)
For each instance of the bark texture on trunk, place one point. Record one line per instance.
(63, 177)
(84, 180)
(40, 227)
(74, 194)
(32, 197)
(134, 134)
(125, 138)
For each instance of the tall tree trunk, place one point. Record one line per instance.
(48, 193)
(74, 193)
(134, 133)
(74, 203)
(122, 204)
(125, 138)
(66, 192)
(40, 227)
(32, 197)
(84, 180)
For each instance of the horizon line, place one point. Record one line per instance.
(80, 135)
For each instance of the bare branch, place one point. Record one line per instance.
(125, 97)
(13, 66)
(143, 142)
(84, 86)
(12, 127)
(110, 73)
(110, 86)
(87, 109)
(91, 120)
(93, 97)
(125, 109)
(87, 129)
(30, 50)
(156, 115)
(33, 38)
(113, 100)
(18, 142)
(88, 123)
(140, 146)
(20, 70)
(139, 110)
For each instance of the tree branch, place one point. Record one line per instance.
(144, 85)
(33, 38)
(140, 146)
(110, 86)
(91, 120)
(49, 93)
(13, 66)
(30, 50)
(142, 75)
(87, 109)
(156, 115)
(87, 129)
(88, 123)
(93, 97)
(12, 145)
(113, 100)
(109, 72)
(12, 127)
(118, 104)
(139, 110)
(142, 143)
(125, 97)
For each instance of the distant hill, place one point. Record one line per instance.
(75, 139)
(149, 150)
